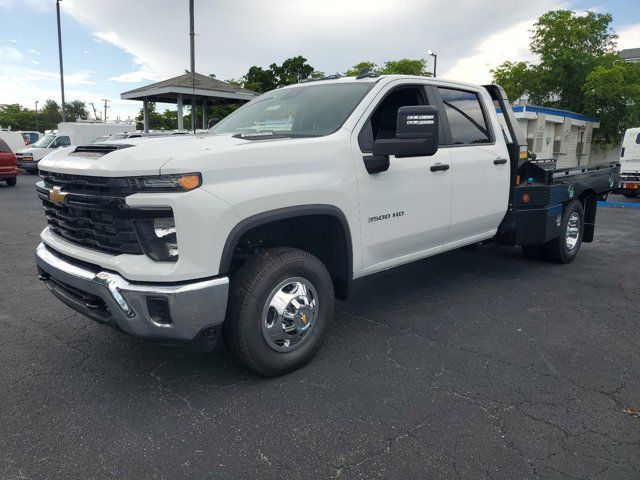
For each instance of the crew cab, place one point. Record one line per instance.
(252, 230)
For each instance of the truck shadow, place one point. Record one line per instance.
(379, 294)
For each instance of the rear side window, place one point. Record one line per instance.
(467, 121)
(4, 148)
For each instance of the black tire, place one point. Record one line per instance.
(250, 289)
(557, 250)
(631, 194)
(534, 252)
(11, 182)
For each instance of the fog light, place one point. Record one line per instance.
(158, 238)
(164, 226)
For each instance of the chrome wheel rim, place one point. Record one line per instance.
(573, 231)
(290, 314)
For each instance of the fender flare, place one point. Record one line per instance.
(281, 214)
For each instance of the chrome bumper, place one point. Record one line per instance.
(180, 312)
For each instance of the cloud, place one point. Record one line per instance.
(629, 37)
(509, 44)
(10, 54)
(333, 35)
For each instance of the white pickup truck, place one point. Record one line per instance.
(69, 133)
(250, 231)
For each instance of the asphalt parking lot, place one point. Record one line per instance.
(470, 365)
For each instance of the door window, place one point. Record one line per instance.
(382, 123)
(4, 148)
(63, 142)
(467, 121)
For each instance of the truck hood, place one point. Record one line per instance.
(144, 156)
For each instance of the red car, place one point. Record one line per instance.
(8, 165)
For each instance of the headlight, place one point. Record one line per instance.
(166, 183)
(27, 157)
(158, 238)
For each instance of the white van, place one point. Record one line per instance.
(69, 133)
(629, 185)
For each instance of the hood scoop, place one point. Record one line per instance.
(97, 150)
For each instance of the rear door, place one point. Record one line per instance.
(479, 165)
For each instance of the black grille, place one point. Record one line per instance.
(93, 214)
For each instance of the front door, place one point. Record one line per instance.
(404, 211)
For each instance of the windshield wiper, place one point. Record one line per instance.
(266, 135)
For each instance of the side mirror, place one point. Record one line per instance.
(416, 134)
(212, 122)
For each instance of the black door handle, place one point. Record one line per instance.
(500, 161)
(439, 166)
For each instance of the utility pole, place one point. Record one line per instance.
(435, 62)
(192, 34)
(105, 108)
(37, 129)
(60, 56)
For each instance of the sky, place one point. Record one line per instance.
(117, 45)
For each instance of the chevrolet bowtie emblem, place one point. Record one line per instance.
(57, 196)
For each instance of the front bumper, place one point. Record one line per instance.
(183, 312)
(30, 166)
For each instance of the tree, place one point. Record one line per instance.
(612, 93)
(406, 66)
(576, 53)
(358, 67)
(516, 78)
(292, 70)
(75, 110)
(260, 80)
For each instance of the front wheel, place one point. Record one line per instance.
(565, 248)
(280, 305)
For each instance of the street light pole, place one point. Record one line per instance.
(435, 62)
(60, 56)
(192, 49)
(37, 129)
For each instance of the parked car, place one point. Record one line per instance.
(69, 133)
(250, 232)
(31, 136)
(14, 140)
(629, 184)
(8, 165)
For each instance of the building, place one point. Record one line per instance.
(552, 133)
(630, 55)
(204, 91)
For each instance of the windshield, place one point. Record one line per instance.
(43, 142)
(306, 111)
(119, 136)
